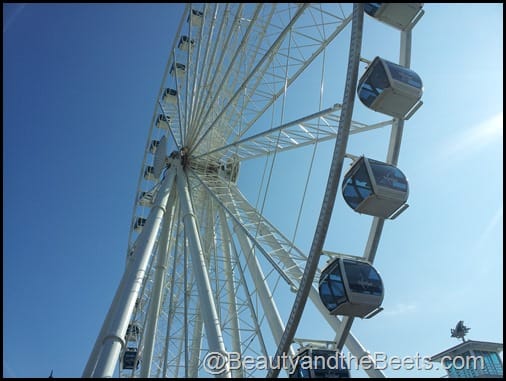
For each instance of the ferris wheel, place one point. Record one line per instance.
(247, 98)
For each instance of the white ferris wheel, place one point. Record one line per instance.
(213, 271)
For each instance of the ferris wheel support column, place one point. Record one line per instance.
(232, 305)
(271, 312)
(171, 308)
(247, 293)
(126, 295)
(207, 305)
(193, 367)
(154, 307)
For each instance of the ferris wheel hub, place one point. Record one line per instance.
(228, 170)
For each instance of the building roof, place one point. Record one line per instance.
(466, 346)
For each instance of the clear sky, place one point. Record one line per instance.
(79, 87)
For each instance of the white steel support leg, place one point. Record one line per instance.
(275, 323)
(249, 301)
(92, 360)
(117, 321)
(208, 308)
(186, 297)
(192, 370)
(170, 312)
(156, 294)
(193, 367)
(180, 353)
(232, 306)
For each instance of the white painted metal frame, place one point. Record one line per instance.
(209, 276)
(111, 341)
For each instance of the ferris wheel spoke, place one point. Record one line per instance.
(312, 129)
(242, 58)
(253, 75)
(201, 65)
(214, 32)
(230, 43)
(306, 128)
(267, 81)
(283, 255)
(242, 285)
(176, 135)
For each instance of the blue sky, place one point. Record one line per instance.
(80, 85)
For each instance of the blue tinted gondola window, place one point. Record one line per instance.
(336, 285)
(388, 176)
(371, 8)
(367, 94)
(357, 187)
(331, 289)
(403, 74)
(326, 296)
(378, 77)
(362, 278)
(373, 84)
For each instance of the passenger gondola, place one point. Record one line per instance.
(195, 17)
(399, 15)
(178, 69)
(154, 145)
(375, 188)
(351, 287)
(169, 95)
(130, 359)
(132, 332)
(185, 43)
(163, 122)
(139, 224)
(319, 363)
(149, 173)
(145, 198)
(391, 89)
